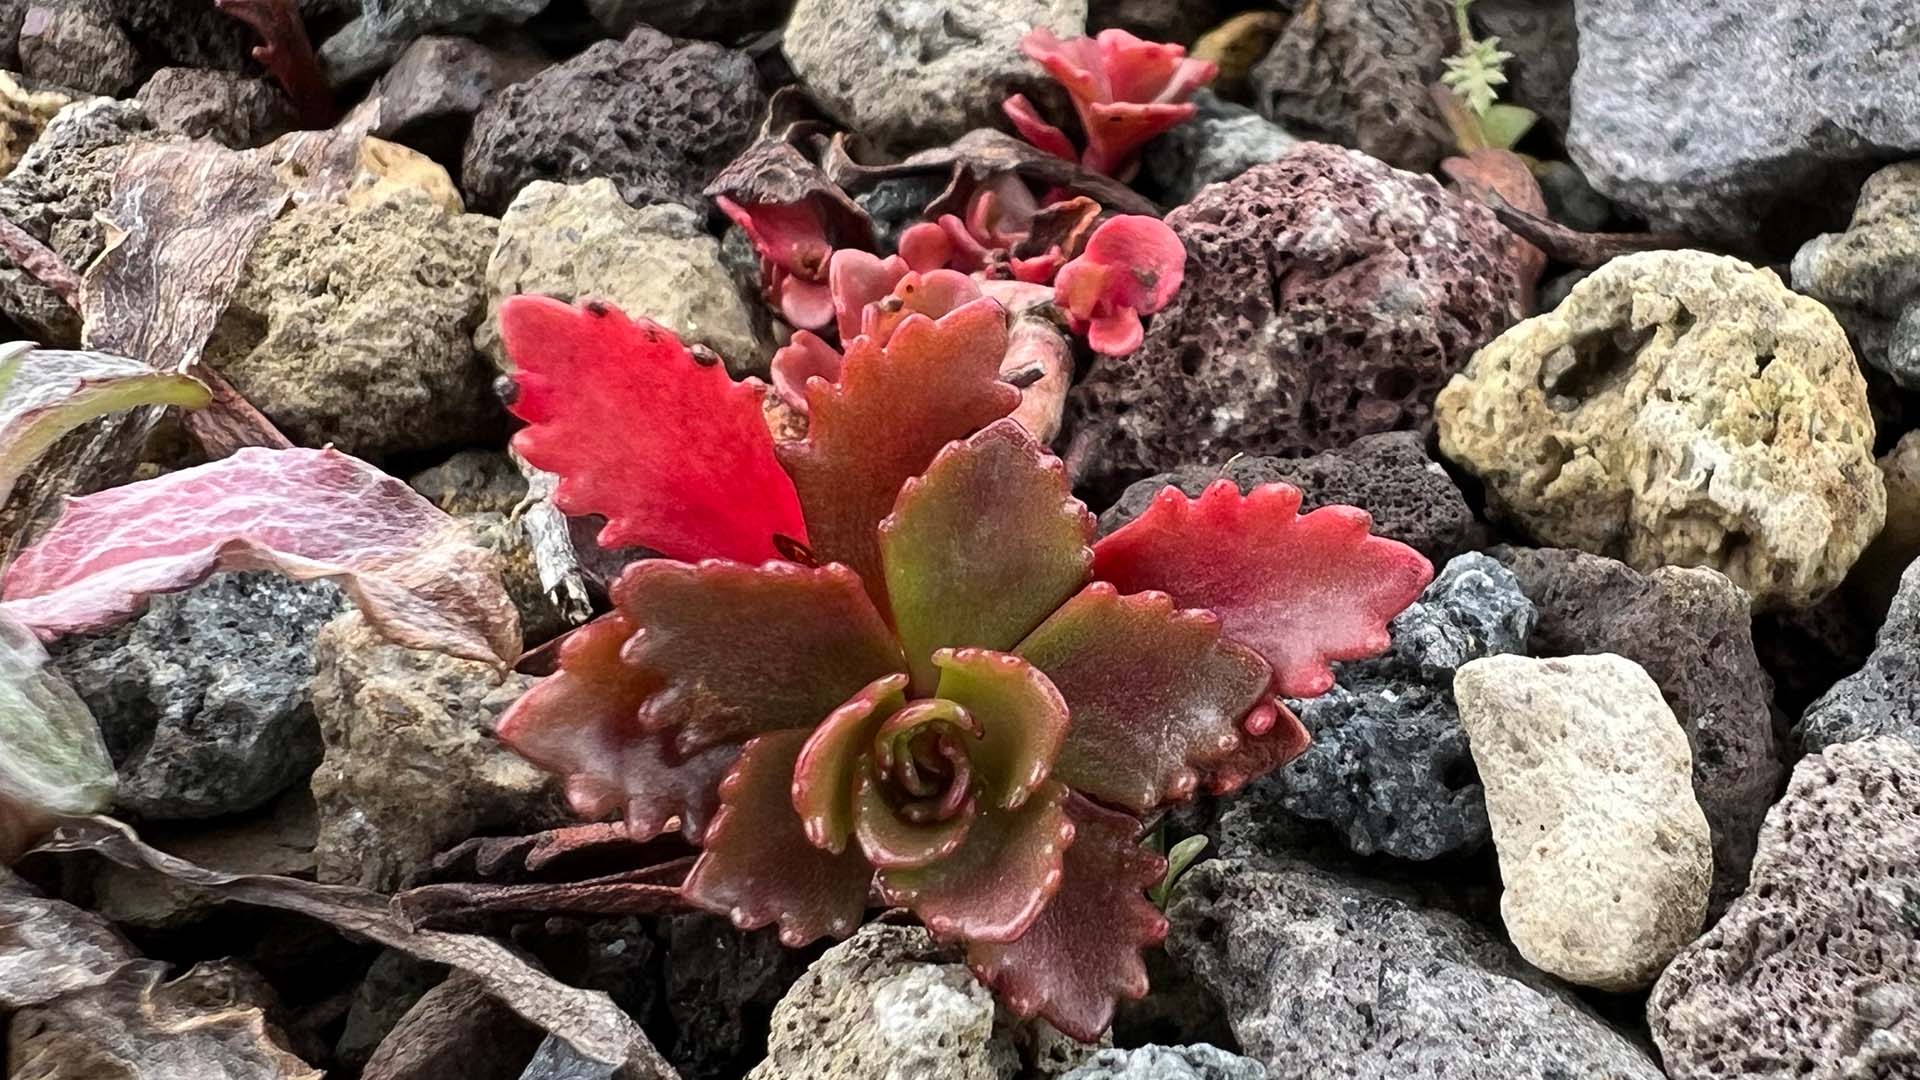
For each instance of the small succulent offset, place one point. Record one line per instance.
(888, 662)
(1475, 74)
(1125, 91)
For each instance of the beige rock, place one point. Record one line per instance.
(385, 168)
(23, 115)
(1678, 408)
(580, 240)
(1876, 577)
(1604, 852)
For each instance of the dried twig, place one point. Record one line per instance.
(1573, 247)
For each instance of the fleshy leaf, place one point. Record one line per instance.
(1023, 720)
(893, 409)
(1302, 590)
(1155, 694)
(858, 278)
(1084, 950)
(998, 882)
(983, 546)
(413, 571)
(1044, 136)
(674, 454)
(1270, 737)
(52, 759)
(759, 868)
(804, 356)
(739, 651)
(44, 393)
(891, 842)
(1126, 90)
(1132, 265)
(933, 294)
(583, 722)
(829, 767)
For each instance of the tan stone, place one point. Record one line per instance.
(23, 116)
(1678, 408)
(1876, 577)
(1604, 852)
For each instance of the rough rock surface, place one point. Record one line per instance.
(1876, 576)
(1389, 475)
(576, 241)
(1327, 297)
(1692, 631)
(1328, 976)
(429, 97)
(1882, 698)
(1735, 141)
(1389, 767)
(1199, 1062)
(1222, 141)
(411, 766)
(386, 27)
(1604, 852)
(54, 193)
(77, 44)
(205, 701)
(314, 336)
(276, 840)
(456, 1031)
(231, 109)
(658, 117)
(721, 988)
(689, 18)
(911, 74)
(1869, 275)
(1356, 72)
(1813, 972)
(1680, 409)
(189, 33)
(886, 1004)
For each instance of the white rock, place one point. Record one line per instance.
(1604, 852)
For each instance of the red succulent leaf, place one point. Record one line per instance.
(803, 303)
(1026, 120)
(1117, 131)
(933, 294)
(1302, 590)
(1000, 879)
(893, 409)
(924, 246)
(1084, 950)
(967, 252)
(1271, 737)
(804, 357)
(983, 546)
(739, 651)
(858, 278)
(1000, 212)
(671, 451)
(829, 768)
(792, 236)
(286, 51)
(759, 867)
(1157, 695)
(583, 723)
(892, 842)
(1023, 720)
(1126, 90)
(1132, 265)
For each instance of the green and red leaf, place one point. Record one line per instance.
(893, 409)
(892, 842)
(1302, 590)
(830, 764)
(673, 453)
(999, 880)
(1023, 720)
(982, 547)
(1156, 694)
(1084, 950)
(759, 867)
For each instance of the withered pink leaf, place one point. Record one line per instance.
(1155, 693)
(1002, 876)
(50, 947)
(893, 409)
(738, 651)
(983, 546)
(673, 453)
(52, 758)
(827, 772)
(44, 393)
(583, 723)
(759, 867)
(1302, 590)
(1084, 950)
(413, 571)
(1023, 720)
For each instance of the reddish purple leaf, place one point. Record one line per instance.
(1155, 694)
(983, 546)
(893, 409)
(1023, 720)
(674, 454)
(759, 868)
(738, 651)
(1271, 737)
(892, 842)
(583, 723)
(996, 884)
(413, 571)
(829, 768)
(1302, 590)
(1084, 950)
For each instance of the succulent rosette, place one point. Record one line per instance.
(890, 662)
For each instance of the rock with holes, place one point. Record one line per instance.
(77, 44)
(1198, 1062)
(1692, 631)
(1389, 767)
(1815, 971)
(912, 74)
(1869, 275)
(657, 116)
(1220, 142)
(1327, 296)
(429, 97)
(385, 27)
(234, 110)
(1684, 409)
(1604, 852)
(1324, 975)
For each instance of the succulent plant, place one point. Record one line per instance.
(888, 660)
(1125, 90)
